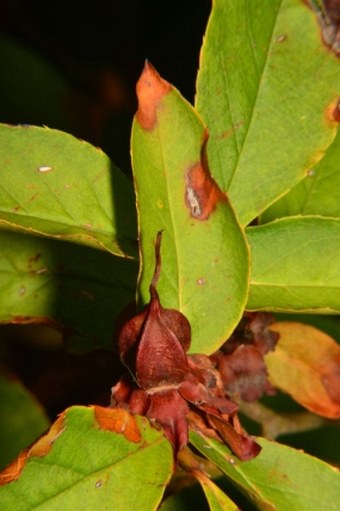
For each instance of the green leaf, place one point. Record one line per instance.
(266, 90)
(22, 419)
(279, 478)
(55, 185)
(204, 255)
(79, 288)
(295, 265)
(317, 194)
(218, 501)
(101, 458)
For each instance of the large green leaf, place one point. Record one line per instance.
(22, 419)
(295, 265)
(266, 89)
(80, 288)
(317, 194)
(93, 459)
(204, 254)
(55, 185)
(279, 478)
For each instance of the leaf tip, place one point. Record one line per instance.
(151, 88)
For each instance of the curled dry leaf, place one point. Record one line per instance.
(306, 365)
(240, 360)
(167, 385)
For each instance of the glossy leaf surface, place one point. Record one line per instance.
(306, 365)
(280, 478)
(267, 89)
(317, 194)
(55, 185)
(204, 255)
(295, 265)
(78, 289)
(101, 458)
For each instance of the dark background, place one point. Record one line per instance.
(74, 66)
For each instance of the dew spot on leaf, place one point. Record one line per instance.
(43, 169)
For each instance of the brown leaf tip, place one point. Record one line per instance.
(151, 88)
(202, 193)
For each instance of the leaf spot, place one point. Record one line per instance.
(202, 193)
(201, 281)
(118, 421)
(44, 169)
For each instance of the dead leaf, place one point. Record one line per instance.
(306, 365)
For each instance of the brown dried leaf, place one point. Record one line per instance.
(306, 365)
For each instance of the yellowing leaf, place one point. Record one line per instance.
(306, 365)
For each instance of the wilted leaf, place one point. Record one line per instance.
(295, 265)
(79, 289)
(317, 194)
(99, 468)
(55, 185)
(267, 89)
(279, 479)
(306, 365)
(205, 260)
(22, 419)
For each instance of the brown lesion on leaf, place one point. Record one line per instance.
(118, 421)
(328, 16)
(151, 88)
(333, 111)
(41, 448)
(202, 193)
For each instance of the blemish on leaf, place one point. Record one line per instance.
(118, 421)
(333, 112)
(44, 444)
(281, 38)
(310, 172)
(13, 470)
(22, 291)
(39, 271)
(160, 204)
(44, 169)
(202, 192)
(151, 88)
(99, 483)
(201, 281)
(327, 16)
